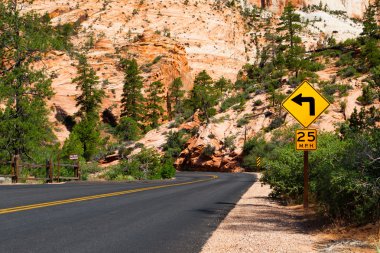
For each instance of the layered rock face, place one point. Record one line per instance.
(212, 36)
(354, 8)
(173, 39)
(180, 39)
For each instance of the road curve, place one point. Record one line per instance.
(158, 216)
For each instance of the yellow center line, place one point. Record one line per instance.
(98, 196)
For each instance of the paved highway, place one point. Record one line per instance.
(160, 216)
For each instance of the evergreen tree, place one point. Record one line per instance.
(370, 25)
(24, 121)
(375, 76)
(371, 35)
(291, 25)
(87, 131)
(204, 95)
(223, 84)
(154, 101)
(90, 99)
(367, 95)
(73, 145)
(89, 102)
(176, 94)
(132, 101)
(128, 129)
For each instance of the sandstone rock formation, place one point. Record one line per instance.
(354, 8)
(172, 39)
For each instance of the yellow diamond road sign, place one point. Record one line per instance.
(306, 104)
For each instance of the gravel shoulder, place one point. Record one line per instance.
(258, 224)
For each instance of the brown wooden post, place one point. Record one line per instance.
(58, 167)
(47, 170)
(16, 169)
(306, 179)
(76, 170)
(79, 172)
(13, 169)
(50, 171)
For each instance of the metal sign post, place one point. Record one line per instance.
(305, 179)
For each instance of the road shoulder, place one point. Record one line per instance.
(257, 224)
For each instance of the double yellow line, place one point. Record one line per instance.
(99, 196)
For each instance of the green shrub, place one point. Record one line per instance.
(228, 142)
(72, 146)
(343, 172)
(128, 129)
(124, 152)
(328, 90)
(175, 143)
(208, 151)
(258, 102)
(303, 75)
(314, 66)
(242, 121)
(375, 75)
(89, 168)
(117, 173)
(168, 170)
(231, 101)
(367, 96)
(157, 59)
(345, 60)
(147, 164)
(211, 112)
(275, 123)
(347, 72)
(139, 145)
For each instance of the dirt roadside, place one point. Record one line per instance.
(259, 224)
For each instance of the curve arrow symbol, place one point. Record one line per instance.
(299, 100)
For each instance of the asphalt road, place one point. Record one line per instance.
(129, 217)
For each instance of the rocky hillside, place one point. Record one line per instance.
(187, 37)
(173, 39)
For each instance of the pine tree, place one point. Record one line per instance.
(291, 25)
(89, 102)
(90, 99)
(128, 129)
(132, 101)
(24, 121)
(370, 25)
(204, 95)
(87, 131)
(370, 36)
(223, 84)
(154, 100)
(176, 94)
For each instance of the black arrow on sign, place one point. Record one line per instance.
(299, 100)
